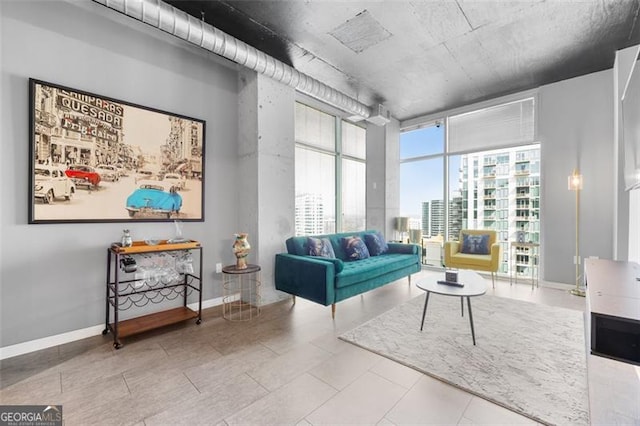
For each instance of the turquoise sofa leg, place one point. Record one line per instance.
(409, 279)
(333, 311)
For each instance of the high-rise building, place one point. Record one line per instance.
(436, 213)
(456, 215)
(501, 190)
(425, 219)
(433, 217)
(309, 214)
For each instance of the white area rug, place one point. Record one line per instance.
(529, 358)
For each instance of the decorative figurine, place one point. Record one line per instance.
(241, 249)
(126, 241)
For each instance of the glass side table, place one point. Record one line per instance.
(241, 293)
(525, 255)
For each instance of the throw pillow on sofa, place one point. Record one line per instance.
(376, 243)
(320, 247)
(355, 248)
(475, 244)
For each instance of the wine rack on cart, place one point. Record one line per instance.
(126, 289)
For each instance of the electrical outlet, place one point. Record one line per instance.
(218, 268)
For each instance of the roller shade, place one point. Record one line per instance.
(494, 127)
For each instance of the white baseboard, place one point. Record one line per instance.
(72, 336)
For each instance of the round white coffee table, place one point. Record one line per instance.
(474, 285)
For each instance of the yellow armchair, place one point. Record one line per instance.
(455, 257)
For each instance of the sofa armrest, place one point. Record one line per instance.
(450, 248)
(404, 248)
(309, 277)
(337, 263)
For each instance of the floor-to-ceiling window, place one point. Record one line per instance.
(330, 166)
(489, 173)
(422, 186)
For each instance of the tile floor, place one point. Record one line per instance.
(285, 367)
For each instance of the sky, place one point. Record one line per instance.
(146, 129)
(423, 180)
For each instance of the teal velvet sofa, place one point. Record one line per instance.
(329, 280)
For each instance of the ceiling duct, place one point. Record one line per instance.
(380, 117)
(167, 18)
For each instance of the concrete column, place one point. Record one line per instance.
(266, 174)
(383, 177)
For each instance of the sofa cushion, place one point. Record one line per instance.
(475, 244)
(376, 243)
(355, 248)
(299, 246)
(372, 267)
(320, 247)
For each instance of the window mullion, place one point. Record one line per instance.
(446, 179)
(338, 183)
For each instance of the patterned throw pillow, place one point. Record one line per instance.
(355, 248)
(475, 244)
(376, 244)
(320, 247)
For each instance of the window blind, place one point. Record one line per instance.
(315, 128)
(494, 127)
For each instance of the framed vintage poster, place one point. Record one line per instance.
(99, 159)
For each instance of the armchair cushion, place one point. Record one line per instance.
(475, 243)
(477, 260)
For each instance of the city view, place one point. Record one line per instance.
(440, 193)
(498, 190)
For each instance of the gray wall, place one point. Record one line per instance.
(52, 277)
(576, 131)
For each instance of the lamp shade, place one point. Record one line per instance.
(402, 224)
(415, 235)
(575, 181)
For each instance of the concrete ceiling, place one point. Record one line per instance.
(419, 57)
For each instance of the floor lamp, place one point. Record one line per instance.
(575, 184)
(402, 226)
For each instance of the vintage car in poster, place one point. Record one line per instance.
(176, 179)
(153, 197)
(51, 182)
(108, 172)
(83, 176)
(144, 174)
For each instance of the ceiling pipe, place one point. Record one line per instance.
(167, 18)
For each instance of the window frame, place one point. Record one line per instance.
(472, 169)
(338, 157)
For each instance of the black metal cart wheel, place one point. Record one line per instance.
(105, 331)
